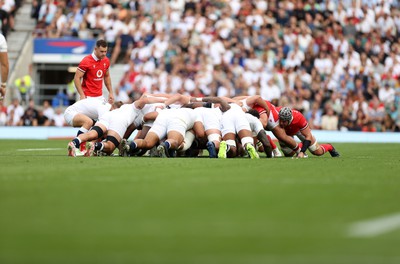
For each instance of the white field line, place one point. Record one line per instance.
(375, 227)
(39, 149)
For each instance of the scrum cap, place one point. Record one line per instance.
(285, 114)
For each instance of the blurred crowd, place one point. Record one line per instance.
(337, 61)
(31, 115)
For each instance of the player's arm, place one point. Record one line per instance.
(214, 100)
(178, 98)
(197, 104)
(150, 116)
(306, 132)
(257, 99)
(241, 97)
(229, 100)
(4, 73)
(160, 95)
(262, 137)
(78, 84)
(140, 103)
(264, 119)
(198, 129)
(107, 82)
(129, 131)
(281, 135)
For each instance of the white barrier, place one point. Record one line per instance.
(322, 136)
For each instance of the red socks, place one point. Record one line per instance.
(273, 145)
(82, 146)
(326, 147)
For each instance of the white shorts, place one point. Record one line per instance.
(119, 124)
(255, 124)
(165, 124)
(211, 117)
(234, 120)
(3, 45)
(123, 117)
(90, 107)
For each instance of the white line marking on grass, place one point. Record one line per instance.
(375, 227)
(39, 149)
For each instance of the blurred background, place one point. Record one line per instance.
(336, 61)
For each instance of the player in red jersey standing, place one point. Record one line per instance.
(89, 76)
(295, 124)
(93, 69)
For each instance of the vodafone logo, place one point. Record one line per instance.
(99, 73)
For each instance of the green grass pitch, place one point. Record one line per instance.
(57, 209)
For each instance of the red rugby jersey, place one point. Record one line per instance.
(299, 122)
(272, 109)
(94, 72)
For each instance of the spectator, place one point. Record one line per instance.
(46, 13)
(25, 88)
(376, 112)
(60, 99)
(43, 120)
(330, 120)
(14, 113)
(3, 113)
(361, 121)
(48, 111)
(4, 66)
(314, 116)
(345, 122)
(336, 44)
(30, 115)
(388, 124)
(58, 119)
(270, 91)
(123, 45)
(386, 94)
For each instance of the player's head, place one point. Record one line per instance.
(285, 116)
(101, 49)
(116, 105)
(253, 112)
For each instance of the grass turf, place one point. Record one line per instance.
(57, 209)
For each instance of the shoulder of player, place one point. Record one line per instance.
(88, 59)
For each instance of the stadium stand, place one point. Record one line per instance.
(336, 61)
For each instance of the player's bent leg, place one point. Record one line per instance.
(247, 142)
(112, 142)
(333, 151)
(287, 151)
(90, 149)
(212, 151)
(168, 148)
(71, 149)
(228, 148)
(81, 120)
(214, 138)
(187, 142)
(162, 149)
(328, 148)
(122, 147)
(149, 141)
(175, 138)
(222, 150)
(316, 149)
